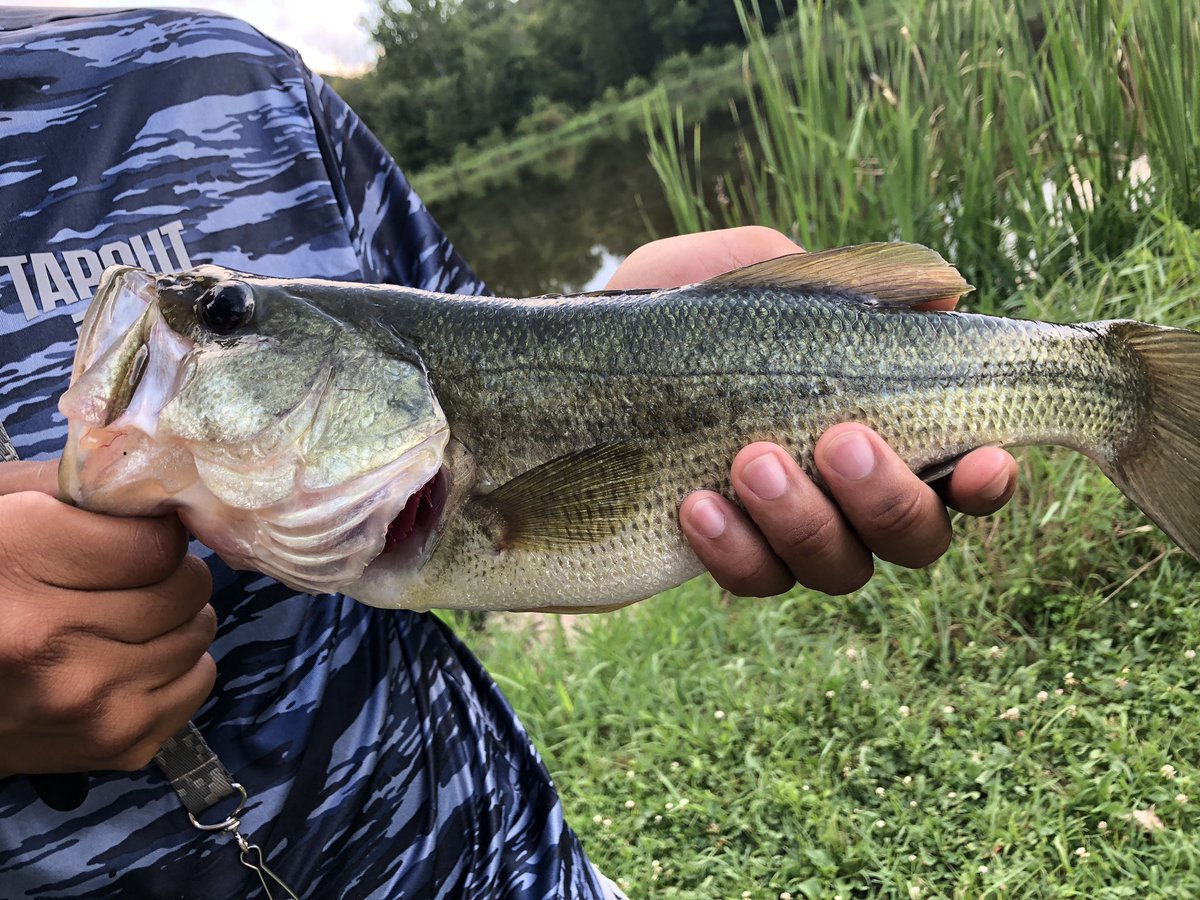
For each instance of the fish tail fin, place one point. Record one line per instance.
(1159, 469)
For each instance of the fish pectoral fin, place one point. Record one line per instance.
(884, 274)
(578, 499)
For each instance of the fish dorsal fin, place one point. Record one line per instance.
(577, 499)
(891, 274)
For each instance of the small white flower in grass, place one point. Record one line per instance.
(684, 802)
(879, 823)
(719, 714)
(1103, 826)
(912, 857)
(630, 774)
(1072, 711)
(912, 803)
(1082, 853)
(994, 652)
(675, 767)
(879, 792)
(1042, 696)
(914, 892)
(1181, 799)
(670, 806)
(629, 804)
(1168, 772)
(908, 779)
(597, 818)
(1058, 692)
(746, 895)
(1122, 682)
(948, 710)
(904, 712)
(829, 695)
(607, 823)
(1070, 679)
(1189, 654)
(658, 818)
(951, 795)
(983, 870)
(865, 685)
(784, 895)
(806, 787)
(1133, 604)
(1011, 714)
(851, 654)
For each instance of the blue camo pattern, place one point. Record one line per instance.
(381, 759)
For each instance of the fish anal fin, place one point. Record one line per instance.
(575, 500)
(889, 274)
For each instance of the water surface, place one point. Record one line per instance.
(565, 223)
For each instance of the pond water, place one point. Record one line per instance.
(565, 223)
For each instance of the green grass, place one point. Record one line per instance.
(893, 743)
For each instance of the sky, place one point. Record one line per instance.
(333, 36)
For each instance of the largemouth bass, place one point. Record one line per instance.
(422, 450)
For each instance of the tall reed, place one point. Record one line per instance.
(1022, 138)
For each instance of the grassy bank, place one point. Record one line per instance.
(1020, 719)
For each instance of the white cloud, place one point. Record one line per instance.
(333, 38)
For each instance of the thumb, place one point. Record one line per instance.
(16, 477)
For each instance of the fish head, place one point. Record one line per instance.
(293, 433)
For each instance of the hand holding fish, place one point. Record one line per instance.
(790, 531)
(105, 631)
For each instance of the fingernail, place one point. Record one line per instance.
(765, 477)
(851, 456)
(708, 519)
(997, 487)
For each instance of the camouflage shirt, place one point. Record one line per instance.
(381, 759)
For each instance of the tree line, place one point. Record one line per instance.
(459, 72)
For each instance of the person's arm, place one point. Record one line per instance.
(790, 531)
(104, 631)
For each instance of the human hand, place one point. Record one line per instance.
(104, 631)
(790, 531)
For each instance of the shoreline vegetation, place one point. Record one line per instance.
(703, 86)
(463, 87)
(1021, 719)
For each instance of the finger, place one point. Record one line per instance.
(69, 548)
(731, 548)
(898, 516)
(688, 258)
(112, 679)
(140, 617)
(29, 476)
(171, 656)
(803, 527)
(128, 747)
(982, 482)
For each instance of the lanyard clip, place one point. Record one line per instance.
(251, 855)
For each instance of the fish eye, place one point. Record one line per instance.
(226, 307)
